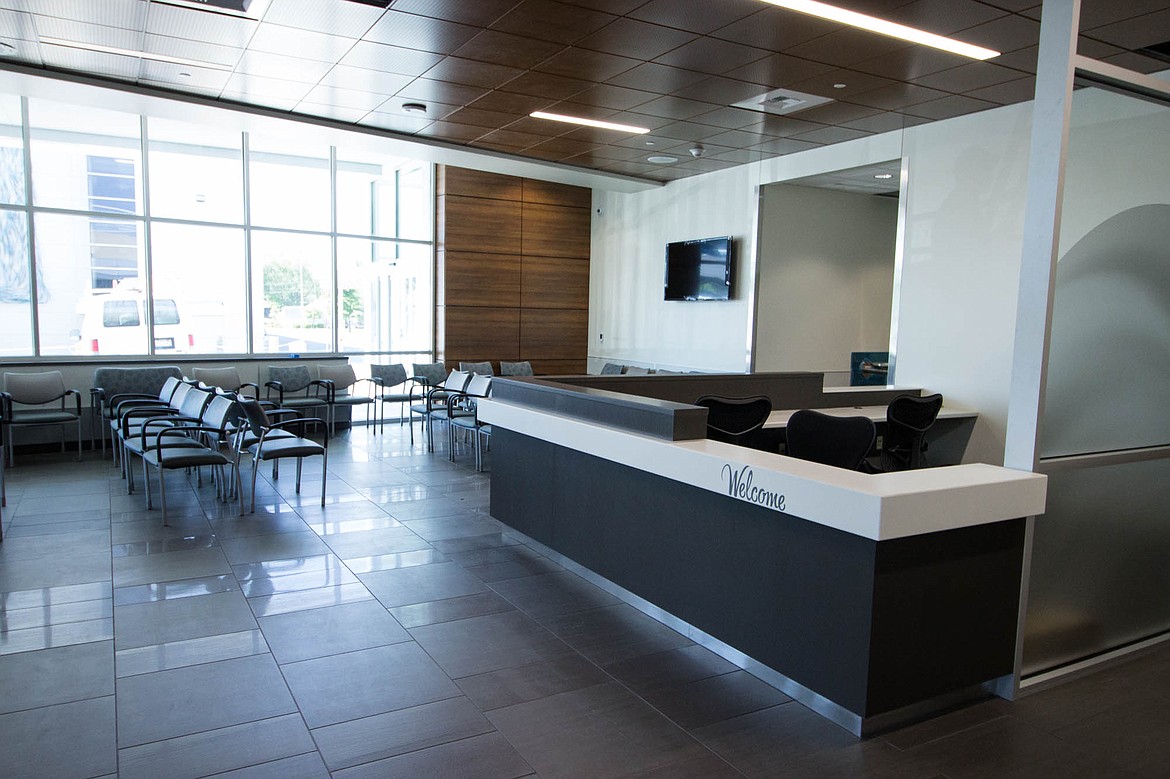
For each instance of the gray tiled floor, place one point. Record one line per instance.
(400, 631)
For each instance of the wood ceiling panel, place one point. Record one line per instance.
(712, 55)
(513, 51)
(578, 63)
(638, 40)
(700, 18)
(551, 21)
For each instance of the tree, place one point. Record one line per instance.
(289, 284)
(351, 307)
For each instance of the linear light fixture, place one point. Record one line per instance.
(883, 27)
(146, 55)
(625, 128)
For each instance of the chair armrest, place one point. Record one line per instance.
(255, 389)
(76, 397)
(5, 410)
(283, 412)
(303, 422)
(328, 385)
(274, 385)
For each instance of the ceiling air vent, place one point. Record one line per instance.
(782, 101)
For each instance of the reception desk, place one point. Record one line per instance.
(874, 599)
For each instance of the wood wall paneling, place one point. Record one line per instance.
(557, 194)
(476, 333)
(555, 231)
(475, 224)
(554, 282)
(553, 333)
(483, 279)
(542, 367)
(477, 183)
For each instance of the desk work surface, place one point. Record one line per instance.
(876, 506)
(780, 417)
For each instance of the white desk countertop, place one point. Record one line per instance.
(877, 506)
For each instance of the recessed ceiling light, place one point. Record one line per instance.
(626, 128)
(132, 53)
(649, 143)
(883, 27)
(840, 86)
(883, 176)
(661, 159)
(414, 108)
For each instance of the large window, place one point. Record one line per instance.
(154, 237)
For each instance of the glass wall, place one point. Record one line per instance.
(154, 237)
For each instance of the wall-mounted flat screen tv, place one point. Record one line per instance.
(699, 270)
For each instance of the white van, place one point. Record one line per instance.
(114, 324)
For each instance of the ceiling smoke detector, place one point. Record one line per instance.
(697, 150)
(782, 101)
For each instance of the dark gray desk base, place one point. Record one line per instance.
(883, 630)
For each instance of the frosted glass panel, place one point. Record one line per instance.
(1099, 573)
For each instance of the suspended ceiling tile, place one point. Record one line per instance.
(846, 47)
(672, 107)
(15, 25)
(830, 135)
(392, 59)
(226, 56)
(897, 95)
(1137, 32)
(775, 29)
(127, 14)
(349, 20)
(483, 118)
(173, 75)
(186, 89)
(704, 164)
(362, 79)
(512, 103)
(712, 55)
(638, 40)
(452, 131)
(552, 21)
(855, 81)
(886, 121)
(908, 63)
(973, 75)
(1006, 33)
(652, 77)
(1008, 92)
(435, 109)
(618, 7)
(947, 107)
(546, 85)
(513, 138)
(480, 13)
(261, 86)
(25, 51)
(65, 29)
(426, 90)
(259, 63)
(277, 39)
(266, 101)
(943, 17)
(112, 65)
(345, 98)
(500, 48)
(728, 118)
(568, 146)
(397, 122)
(477, 74)
(575, 62)
(781, 126)
(339, 113)
(779, 70)
(722, 91)
(835, 113)
(1106, 12)
(610, 96)
(690, 131)
(1137, 62)
(420, 32)
(197, 25)
(700, 18)
(784, 146)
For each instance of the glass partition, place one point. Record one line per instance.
(291, 293)
(1102, 549)
(196, 173)
(384, 300)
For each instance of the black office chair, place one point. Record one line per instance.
(842, 442)
(736, 420)
(908, 417)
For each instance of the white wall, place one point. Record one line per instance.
(819, 245)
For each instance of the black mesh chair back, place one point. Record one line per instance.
(908, 417)
(842, 442)
(735, 420)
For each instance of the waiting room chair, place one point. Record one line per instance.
(111, 385)
(385, 378)
(908, 417)
(433, 405)
(637, 370)
(226, 379)
(842, 442)
(272, 443)
(424, 377)
(293, 386)
(463, 413)
(736, 420)
(612, 369)
(522, 368)
(482, 368)
(339, 381)
(33, 399)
